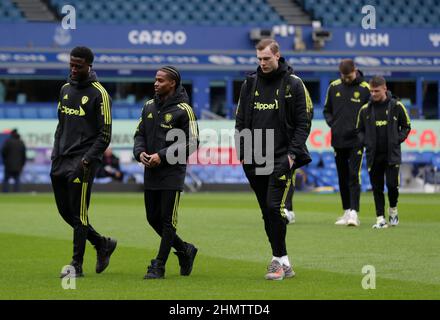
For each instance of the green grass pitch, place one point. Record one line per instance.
(233, 250)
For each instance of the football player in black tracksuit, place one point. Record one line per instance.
(345, 97)
(383, 124)
(82, 135)
(166, 114)
(274, 100)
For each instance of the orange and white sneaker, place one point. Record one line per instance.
(288, 271)
(275, 271)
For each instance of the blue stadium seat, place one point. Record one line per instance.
(29, 113)
(36, 173)
(166, 16)
(415, 157)
(142, 7)
(409, 156)
(403, 20)
(393, 13)
(318, 112)
(328, 159)
(86, 15)
(47, 112)
(316, 158)
(427, 156)
(135, 112)
(436, 162)
(127, 6)
(174, 12)
(96, 6)
(80, 6)
(433, 20)
(135, 16)
(121, 113)
(13, 112)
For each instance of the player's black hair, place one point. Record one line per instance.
(173, 73)
(84, 53)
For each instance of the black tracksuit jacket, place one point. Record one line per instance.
(398, 128)
(341, 108)
(156, 121)
(14, 154)
(84, 120)
(295, 113)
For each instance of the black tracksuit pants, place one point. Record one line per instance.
(162, 207)
(348, 165)
(289, 205)
(271, 192)
(72, 186)
(379, 170)
(14, 175)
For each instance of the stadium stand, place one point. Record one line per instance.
(191, 12)
(315, 177)
(9, 12)
(49, 111)
(394, 13)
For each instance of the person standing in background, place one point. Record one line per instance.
(345, 97)
(383, 125)
(14, 159)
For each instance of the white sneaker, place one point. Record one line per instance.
(393, 216)
(342, 221)
(381, 223)
(290, 215)
(353, 219)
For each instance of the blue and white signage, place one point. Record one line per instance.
(11, 60)
(220, 39)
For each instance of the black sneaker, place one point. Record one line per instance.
(103, 254)
(186, 259)
(73, 270)
(156, 270)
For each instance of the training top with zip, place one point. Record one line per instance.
(277, 101)
(156, 121)
(266, 108)
(84, 120)
(381, 117)
(341, 108)
(398, 126)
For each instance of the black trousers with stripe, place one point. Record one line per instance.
(378, 172)
(161, 207)
(72, 186)
(348, 165)
(289, 205)
(272, 192)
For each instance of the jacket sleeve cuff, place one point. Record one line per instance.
(163, 155)
(87, 158)
(293, 152)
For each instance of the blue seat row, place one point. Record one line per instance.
(396, 13)
(224, 174)
(190, 12)
(9, 12)
(14, 112)
(50, 112)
